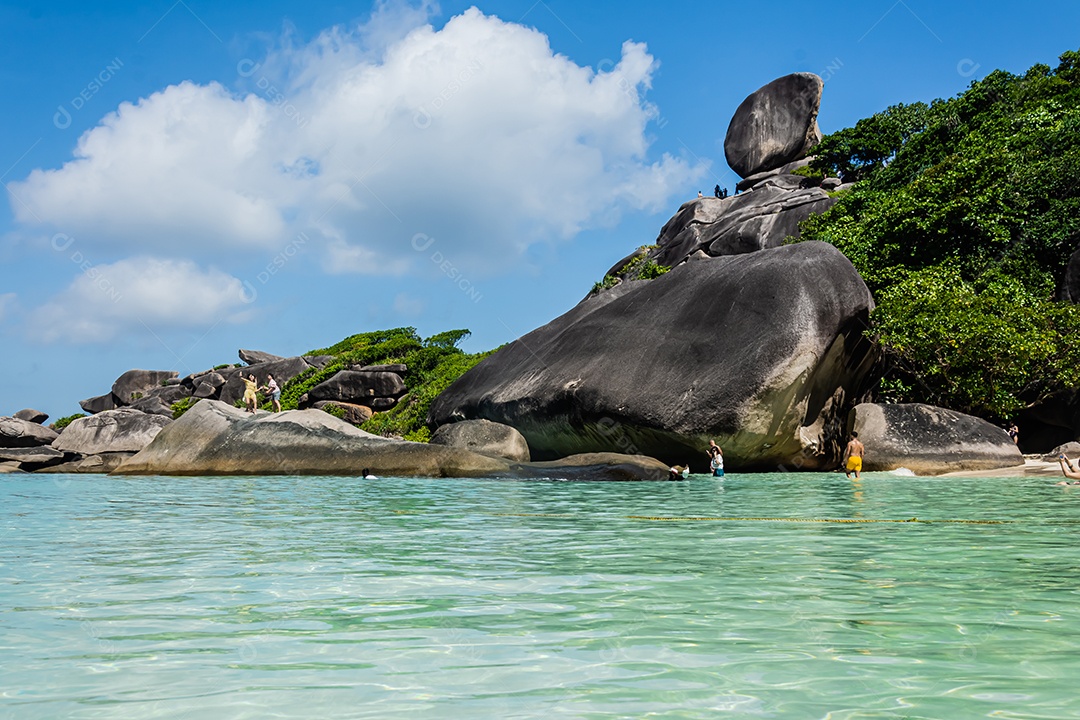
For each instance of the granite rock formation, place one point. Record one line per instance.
(121, 430)
(775, 125)
(213, 438)
(762, 351)
(930, 440)
(484, 437)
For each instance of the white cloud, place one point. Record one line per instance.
(477, 134)
(137, 294)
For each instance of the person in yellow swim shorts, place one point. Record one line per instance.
(853, 456)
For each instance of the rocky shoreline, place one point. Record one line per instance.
(724, 328)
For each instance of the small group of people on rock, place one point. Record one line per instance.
(251, 387)
(718, 191)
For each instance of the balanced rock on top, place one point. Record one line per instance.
(775, 125)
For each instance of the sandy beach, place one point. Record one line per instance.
(1034, 466)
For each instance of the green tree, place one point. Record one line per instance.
(965, 216)
(988, 347)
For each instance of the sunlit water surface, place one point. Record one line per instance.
(340, 598)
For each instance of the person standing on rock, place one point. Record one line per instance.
(699, 194)
(853, 456)
(250, 386)
(274, 391)
(716, 191)
(716, 459)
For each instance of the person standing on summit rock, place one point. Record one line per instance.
(250, 386)
(274, 390)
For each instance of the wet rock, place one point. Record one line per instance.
(484, 437)
(930, 440)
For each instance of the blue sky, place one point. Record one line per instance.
(186, 178)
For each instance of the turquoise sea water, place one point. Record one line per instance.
(402, 598)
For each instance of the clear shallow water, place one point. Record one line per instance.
(333, 597)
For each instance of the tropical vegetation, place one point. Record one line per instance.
(962, 222)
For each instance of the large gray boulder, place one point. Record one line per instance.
(930, 440)
(257, 357)
(101, 403)
(31, 455)
(209, 385)
(17, 433)
(170, 393)
(743, 223)
(775, 125)
(762, 351)
(31, 415)
(153, 405)
(353, 414)
(484, 437)
(100, 464)
(359, 388)
(135, 384)
(213, 438)
(121, 430)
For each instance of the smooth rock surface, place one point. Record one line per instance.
(353, 386)
(748, 222)
(101, 403)
(762, 351)
(16, 433)
(40, 454)
(154, 406)
(31, 415)
(775, 125)
(484, 437)
(930, 440)
(121, 430)
(135, 384)
(258, 357)
(216, 439)
(354, 414)
(101, 463)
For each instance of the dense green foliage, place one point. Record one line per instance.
(65, 421)
(433, 364)
(639, 267)
(988, 346)
(962, 224)
(408, 417)
(182, 406)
